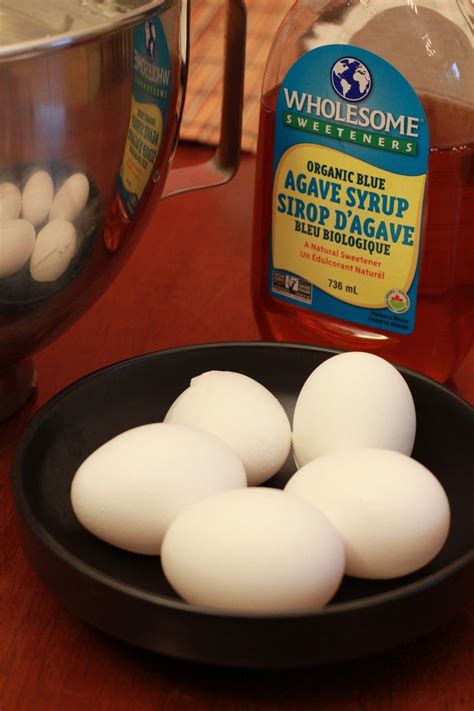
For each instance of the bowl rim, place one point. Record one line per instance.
(139, 594)
(29, 48)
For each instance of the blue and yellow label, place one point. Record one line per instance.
(351, 156)
(151, 89)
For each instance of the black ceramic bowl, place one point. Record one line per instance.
(127, 596)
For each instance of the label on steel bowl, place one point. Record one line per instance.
(151, 88)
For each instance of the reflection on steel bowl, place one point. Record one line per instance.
(52, 215)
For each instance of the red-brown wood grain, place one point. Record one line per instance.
(187, 282)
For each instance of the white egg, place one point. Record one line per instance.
(129, 490)
(37, 197)
(54, 249)
(253, 550)
(10, 202)
(353, 400)
(243, 413)
(71, 198)
(17, 240)
(391, 512)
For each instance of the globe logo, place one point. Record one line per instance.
(150, 40)
(351, 79)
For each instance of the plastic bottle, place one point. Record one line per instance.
(364, 202)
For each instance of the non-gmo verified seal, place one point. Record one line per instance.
(351, 79)
(397, 301)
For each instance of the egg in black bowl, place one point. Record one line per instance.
(127, 595)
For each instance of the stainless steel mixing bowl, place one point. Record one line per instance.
(89, 121)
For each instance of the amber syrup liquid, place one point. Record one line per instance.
(444, 322)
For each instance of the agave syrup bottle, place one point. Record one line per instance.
(364, 202)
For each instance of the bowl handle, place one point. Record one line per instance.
(225, 161)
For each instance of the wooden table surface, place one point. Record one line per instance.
(187, 282)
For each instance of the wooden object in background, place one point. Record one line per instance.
(204, 92)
